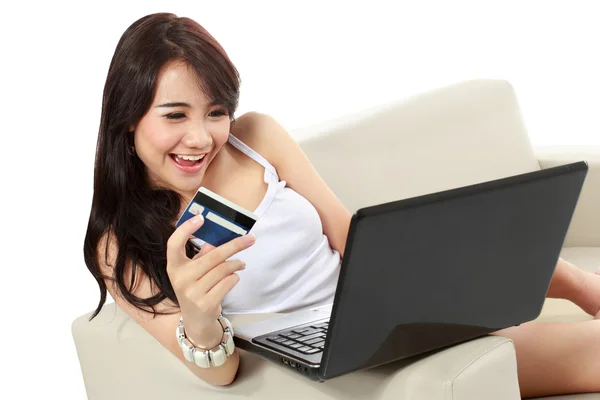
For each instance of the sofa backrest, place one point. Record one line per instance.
(458, 135)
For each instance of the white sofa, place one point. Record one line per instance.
(454, 136)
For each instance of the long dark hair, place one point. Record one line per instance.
(126, 208)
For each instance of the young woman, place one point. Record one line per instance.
(167, 128)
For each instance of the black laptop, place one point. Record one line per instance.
(428, 272)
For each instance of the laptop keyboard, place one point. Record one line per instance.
(308, 339)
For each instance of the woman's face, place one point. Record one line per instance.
(181, 132)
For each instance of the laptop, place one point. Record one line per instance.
(428, 272)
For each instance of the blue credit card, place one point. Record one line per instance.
(223, 220)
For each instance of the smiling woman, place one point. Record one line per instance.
(137, 164)
(168, 98)
(166, 129)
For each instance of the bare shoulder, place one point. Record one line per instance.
(140, 286)
(106, 254)
(159, 326)
(251, 123)
(264, 134)
(271, 140)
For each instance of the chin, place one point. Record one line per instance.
(185, 187)
(186, 184)
(188, 188)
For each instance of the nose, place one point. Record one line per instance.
(197, 137)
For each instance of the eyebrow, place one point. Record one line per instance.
(177, 104)
(183, 104)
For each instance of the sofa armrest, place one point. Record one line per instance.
(480, 369)
(484, 368)
(120, 360)
(584, 230)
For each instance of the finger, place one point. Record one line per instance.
(220, 290)
(225, 251)
(215, 275)
(176, 243)
(206, 247)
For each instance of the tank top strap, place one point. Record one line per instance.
(271, 175)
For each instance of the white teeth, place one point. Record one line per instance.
(190, 158)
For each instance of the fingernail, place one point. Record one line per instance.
(251, 238)
(243, 265)
(197, 219)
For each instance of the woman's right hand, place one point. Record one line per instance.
(201, 283)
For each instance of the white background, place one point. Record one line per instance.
(302, 62)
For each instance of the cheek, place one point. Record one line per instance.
(155, 142)
(220, 133)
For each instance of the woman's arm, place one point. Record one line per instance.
(163, 327)
(273, 142)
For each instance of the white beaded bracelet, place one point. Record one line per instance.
(207, 358)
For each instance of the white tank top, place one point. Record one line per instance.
(291, 265)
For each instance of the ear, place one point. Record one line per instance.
(131, 128)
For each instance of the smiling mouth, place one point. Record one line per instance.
(188, 163)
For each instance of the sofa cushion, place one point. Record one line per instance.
(462, 134)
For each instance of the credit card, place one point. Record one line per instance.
(223, 219)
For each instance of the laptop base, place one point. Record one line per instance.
(285, 360)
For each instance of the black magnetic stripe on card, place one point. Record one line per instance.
(224, 210)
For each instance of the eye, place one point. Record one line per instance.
(175, 116)
(217, 113)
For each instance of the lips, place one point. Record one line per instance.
(188, 163)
